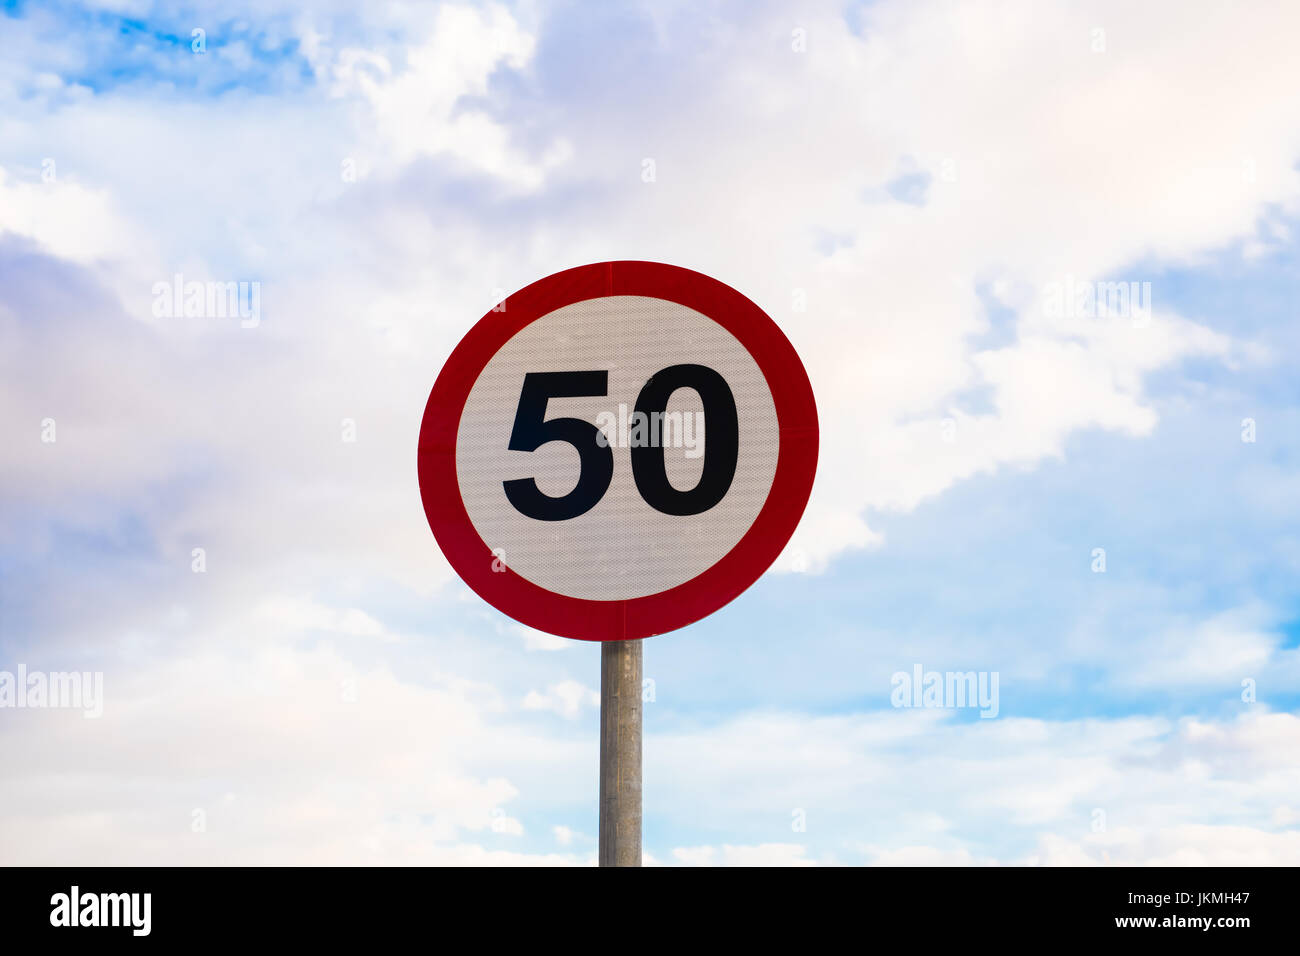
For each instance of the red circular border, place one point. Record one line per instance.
(626, 619)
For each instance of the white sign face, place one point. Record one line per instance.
(614, 540)
(617, 450)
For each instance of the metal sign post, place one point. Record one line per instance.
(620, 753)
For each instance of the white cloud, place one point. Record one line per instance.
(567, 698)
(1231, 646)
(922, 856)
(415, 108)
(293, 615)
(968, 792)
(64, 217)
(289, 754)
(766, 854)
(535, 640)
(1173, 846)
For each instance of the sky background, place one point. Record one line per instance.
(897, 184)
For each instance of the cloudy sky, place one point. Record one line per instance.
(910, 190)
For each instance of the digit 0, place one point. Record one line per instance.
(721, 450)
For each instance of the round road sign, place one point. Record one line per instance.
(617, 450)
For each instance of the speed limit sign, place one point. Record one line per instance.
(617, 450)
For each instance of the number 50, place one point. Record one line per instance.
(532, 429)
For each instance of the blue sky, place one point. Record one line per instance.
(327, 691)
